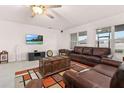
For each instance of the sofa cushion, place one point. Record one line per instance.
(93, 76)
(87, 51)
(76, 57)
(101, 51)
(73, 80)
(78, 50)
(92, 58)
(105, 69)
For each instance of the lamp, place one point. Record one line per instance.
(37, 9)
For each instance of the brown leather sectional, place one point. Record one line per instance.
(89, 55)
(109, 73)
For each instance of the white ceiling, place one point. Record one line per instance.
(66, 17)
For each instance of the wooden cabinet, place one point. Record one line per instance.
(51, 65)
(35, 56)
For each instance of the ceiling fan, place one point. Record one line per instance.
(42, 10)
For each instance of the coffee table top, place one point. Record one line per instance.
(55, 58)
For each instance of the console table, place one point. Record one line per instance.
(36, 56)
(52, 65)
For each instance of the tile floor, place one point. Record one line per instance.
(7, 72)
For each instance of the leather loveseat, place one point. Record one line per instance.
(108, 74)
(89, 55)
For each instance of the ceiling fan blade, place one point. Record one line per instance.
(50, 16)
(60, 16)
(53, 6)
(33, 14)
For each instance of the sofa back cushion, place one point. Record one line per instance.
(101, 51)
(87, 50)
(78, 49)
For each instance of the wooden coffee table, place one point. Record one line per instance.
(52, 65)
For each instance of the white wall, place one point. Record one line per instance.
(91, 29)
(12, 39)
(12, 36)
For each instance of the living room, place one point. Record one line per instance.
(51, 46)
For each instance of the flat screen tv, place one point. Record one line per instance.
(34, 39)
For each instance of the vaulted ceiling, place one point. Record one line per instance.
(66, 17)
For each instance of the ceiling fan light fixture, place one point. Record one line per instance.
(42, 10)
(37, 10)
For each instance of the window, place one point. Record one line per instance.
(103, 37)
(119, 38)
(78, 38)
(82, 38)
(73, 40)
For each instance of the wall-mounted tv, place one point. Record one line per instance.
(34, 39)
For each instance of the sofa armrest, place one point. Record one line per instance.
(73, 80)
(118, 78)
(110, 56)
(111, 62)
(107, 56)
(64, 51)
(71, 51)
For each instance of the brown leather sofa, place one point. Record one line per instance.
(108, 74)
(89, 55)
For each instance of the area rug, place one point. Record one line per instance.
(54, 81)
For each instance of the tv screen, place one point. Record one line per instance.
(34, 39)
